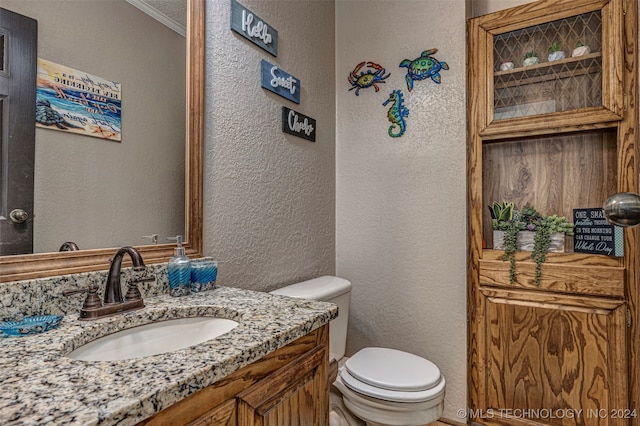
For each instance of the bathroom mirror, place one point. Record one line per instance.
(28, 266)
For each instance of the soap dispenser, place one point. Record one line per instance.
(179, 270)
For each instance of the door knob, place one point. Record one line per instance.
(18, 216)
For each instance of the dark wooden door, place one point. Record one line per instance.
(18, 62)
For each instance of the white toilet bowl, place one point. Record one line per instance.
(388, 387)
(376, 386)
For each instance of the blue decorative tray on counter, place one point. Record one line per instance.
(29, 325)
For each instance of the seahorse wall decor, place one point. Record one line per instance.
(397, 113)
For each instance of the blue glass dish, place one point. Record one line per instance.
(29, 325)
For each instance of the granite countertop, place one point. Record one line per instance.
(40, 385)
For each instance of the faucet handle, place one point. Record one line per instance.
(152, 237)
(133, 293)
(92, 300)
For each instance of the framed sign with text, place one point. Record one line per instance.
(253, 28)
(74, 101)
(297, 124)
(595, 235)
(280, 82)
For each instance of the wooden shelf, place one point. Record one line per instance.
(570, 273)
(552, 71)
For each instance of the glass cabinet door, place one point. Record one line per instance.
(545, 70)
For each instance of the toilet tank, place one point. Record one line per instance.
(327, 289)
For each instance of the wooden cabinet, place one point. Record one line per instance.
(285, 388)
(557, 135)
(224, 414)
(295, 395)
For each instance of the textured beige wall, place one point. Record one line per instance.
(401, 203)
(100, 193)
(269, 197)
(482, 7)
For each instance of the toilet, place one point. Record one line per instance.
(375, 386)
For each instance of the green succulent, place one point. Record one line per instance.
(555, 47)
(530, 54)
(501, 212)
(545, 226)
(505, 217)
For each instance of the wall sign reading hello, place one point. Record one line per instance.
(253, 28)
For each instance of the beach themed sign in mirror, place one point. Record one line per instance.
(74, 101)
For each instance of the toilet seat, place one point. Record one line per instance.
(376, 411)
(392, 375)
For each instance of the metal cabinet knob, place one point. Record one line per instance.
(18, 216)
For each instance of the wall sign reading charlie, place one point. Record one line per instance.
(74, 101)
(254, 29)
(595, 235)
(280, 82)
(298, 124)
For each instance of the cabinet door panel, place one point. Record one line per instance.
(295, 395)
(556, 364)
(223, 415)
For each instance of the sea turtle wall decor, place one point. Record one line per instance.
(423, 67)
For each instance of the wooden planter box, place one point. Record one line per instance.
(525, 241)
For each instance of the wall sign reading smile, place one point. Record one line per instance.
(298, 124)
(280, 82)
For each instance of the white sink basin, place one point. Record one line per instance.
(153, 339)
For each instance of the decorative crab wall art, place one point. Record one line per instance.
(371, 76)
(397, 113)
(423, 67)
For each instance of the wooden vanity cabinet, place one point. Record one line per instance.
(557, 135)
(285, 388)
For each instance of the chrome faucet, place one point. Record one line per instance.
(114, 303)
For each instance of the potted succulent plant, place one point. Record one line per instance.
(555, 52)
(580, 50)
(530, 58)
(527, 230)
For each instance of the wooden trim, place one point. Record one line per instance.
(477, 101)
(574, 259)
(563, 278)
(511, 19)
(445, 421)
(40, 265)
(550, 124)
(628, 166)
(588, 304)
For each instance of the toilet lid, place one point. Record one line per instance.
(393, 370)
(436, 393)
